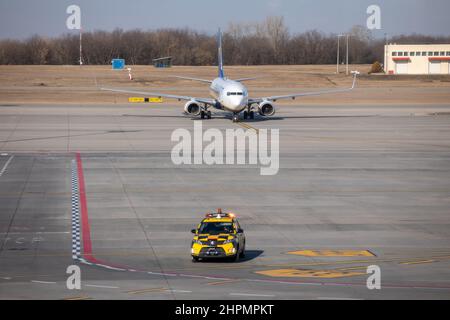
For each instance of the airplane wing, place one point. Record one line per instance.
(246, 79)
(193, 79)
(304, 94)
(209, 81)
(165, 95)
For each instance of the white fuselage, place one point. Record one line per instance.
(232, 95)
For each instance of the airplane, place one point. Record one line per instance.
(230, 95)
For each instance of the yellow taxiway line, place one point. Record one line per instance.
(332, 253)
(247, 126)
(78, 298)
(218, 283)
(146, 290)
(418, 262)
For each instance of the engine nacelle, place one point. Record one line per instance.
(265, 108)
(217, 105)
(192, 108)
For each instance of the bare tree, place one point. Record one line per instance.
(251, 43)
(37, 50)
(278, 36)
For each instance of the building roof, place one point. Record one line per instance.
(163, 58)
(419, 45)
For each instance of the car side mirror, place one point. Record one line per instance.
(240, 230)
(193, 231)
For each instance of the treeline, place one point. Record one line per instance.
(268, 42)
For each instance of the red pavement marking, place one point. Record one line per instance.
(87, 244)
(86, 228)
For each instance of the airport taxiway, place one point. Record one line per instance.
(357, 186)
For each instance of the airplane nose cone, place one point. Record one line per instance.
(238, 102)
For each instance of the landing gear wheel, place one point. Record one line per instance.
(195, 259)
(245, 115)
(208, 114)
(235, 118)
(242, 254)
(236, 257)
(252, 115)
(202, 114)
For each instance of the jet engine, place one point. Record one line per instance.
(217, 105)
(265, 108)
(192, 108)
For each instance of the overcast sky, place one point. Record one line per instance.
(22, 18)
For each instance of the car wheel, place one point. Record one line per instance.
(242, 254)
(236, 257)
(194, 259)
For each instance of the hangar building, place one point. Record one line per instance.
(417, 59)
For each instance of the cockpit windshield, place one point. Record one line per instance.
(215, 228)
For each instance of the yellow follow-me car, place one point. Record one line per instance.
(219, 235)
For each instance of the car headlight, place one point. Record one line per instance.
(197, 242)
(229, 241)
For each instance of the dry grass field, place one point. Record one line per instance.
(75, 85)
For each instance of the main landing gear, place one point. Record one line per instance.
(249, 115)
(205, 114)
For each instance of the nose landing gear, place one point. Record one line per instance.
(235, 117)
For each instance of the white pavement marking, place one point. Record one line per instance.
(181, 291)
(336, 298)
(52, 232)
(186, 275)
(163, 274)
(43, 282)
(76, 241)
(109, 267)
(252, 294)
(100, 286)
(6, 165)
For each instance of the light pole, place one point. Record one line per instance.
(337, 60)
(386, 51)
(346, 58)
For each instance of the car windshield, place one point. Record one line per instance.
(216, 227)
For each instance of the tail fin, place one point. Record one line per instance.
(219, 54)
